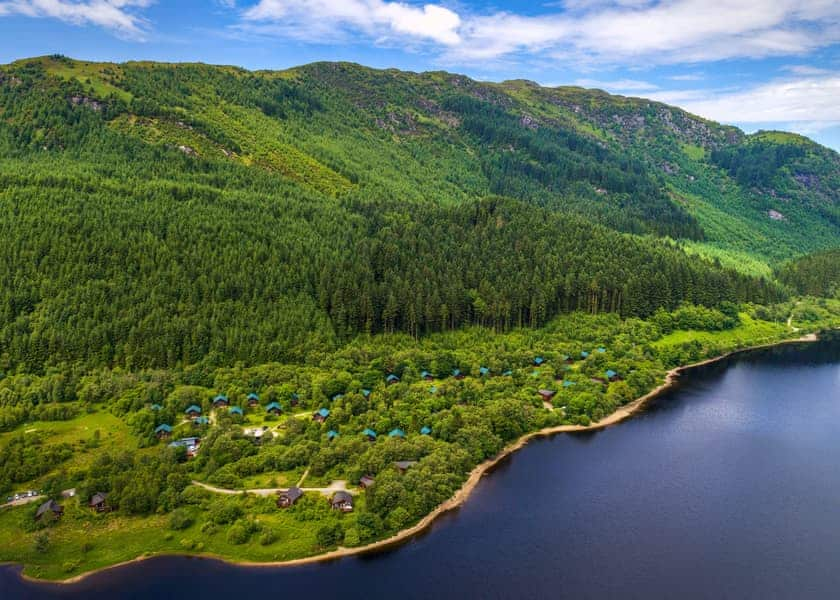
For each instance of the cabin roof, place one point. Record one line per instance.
(220, 398)
(46, 506)
(584, 354)
(331, 434)
(253, 396)
(156, 407)
(456, 372)
(507, 373)
(425, 430)
(601, 349)
(366, 480)
(163, 427)
(484, 371)
(235, 410)
(293, 493)
(369, 432)
(97, 498)
(392, 377)
(610, 373)
(396, 433)
(365, 392)
(193, 408)
(568, 383)
(324, 412)
(405, 464)
(272, 406)
(337, 397)
(342, 497)
(547, 393)
(539, 360)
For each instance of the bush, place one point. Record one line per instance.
(238, 533)
(329, 535)
(351, 537)
(225, 511)
(209, 528)
(42, 542)
(268, 537)
(179, 519)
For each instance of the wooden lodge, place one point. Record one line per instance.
(392, 379)
(220, 401)
(404, 465)
(370, 434)
(612, 375)
(253, 400)
(163, 432)
(98, 502)
(321, 415)
(50, 507)
(425, 375)
(274, 408)
(546, 395)
(456, 373)
(193, 411)
(366, 481)
(289, 497)
(342, 501)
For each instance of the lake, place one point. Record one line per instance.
(727, 486)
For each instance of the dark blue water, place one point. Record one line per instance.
(727, 487)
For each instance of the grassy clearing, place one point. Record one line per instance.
(84, 541)
(749, 333)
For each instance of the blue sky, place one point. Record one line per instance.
(753, 63)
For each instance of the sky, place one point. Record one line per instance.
(758, 64)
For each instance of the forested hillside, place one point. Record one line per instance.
(816, 274)
(156, 215)
(336, 278)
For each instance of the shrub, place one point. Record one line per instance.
(329, 535)
(42, 542)
(238, 534)
(268, 537)
(179, 519)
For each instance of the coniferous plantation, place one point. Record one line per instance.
(213, 279)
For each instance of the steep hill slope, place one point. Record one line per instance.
(631, 164)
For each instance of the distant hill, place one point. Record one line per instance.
(161, 213)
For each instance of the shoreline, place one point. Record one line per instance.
(461, 495)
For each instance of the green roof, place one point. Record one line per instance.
(192, 408)
(164, 427)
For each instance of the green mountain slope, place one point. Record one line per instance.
(159, 214)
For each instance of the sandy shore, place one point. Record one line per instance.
(625, 412)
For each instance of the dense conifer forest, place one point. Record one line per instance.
(216, 280)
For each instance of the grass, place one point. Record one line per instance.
(84, 541)
(114, 436)
(749, 333)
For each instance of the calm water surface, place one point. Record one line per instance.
(727, 487)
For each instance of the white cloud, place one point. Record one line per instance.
(600, 31)
(300, 18)
(687, 77)
(805, 104)
(118, 16)
(619, 85)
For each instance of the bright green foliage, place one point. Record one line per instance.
(814, 275)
